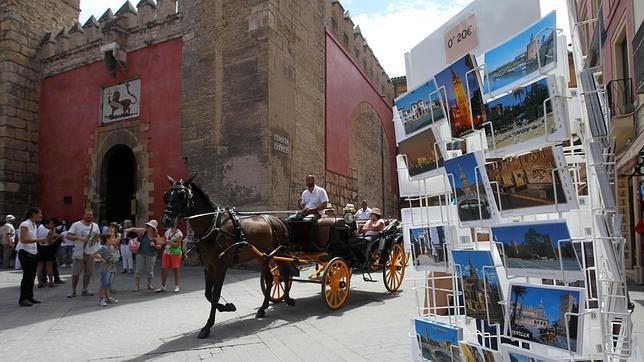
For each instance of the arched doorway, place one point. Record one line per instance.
(118, 183)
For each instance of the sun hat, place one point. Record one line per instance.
(153, 224)
(376, 211)
(9, 218)
(349, 208)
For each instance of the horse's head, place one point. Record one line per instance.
(178, 201)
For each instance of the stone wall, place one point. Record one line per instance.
(23, 24)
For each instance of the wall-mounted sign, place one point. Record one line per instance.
(121, 101)
(280, 143)
(461, 39)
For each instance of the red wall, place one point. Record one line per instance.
(69, 114)
(346, 88)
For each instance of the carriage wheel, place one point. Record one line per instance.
(336, 280)
(279, 287)
(374, 258)
(394, 270)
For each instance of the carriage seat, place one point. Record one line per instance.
(325, 230)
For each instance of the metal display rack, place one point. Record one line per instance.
(606, 311)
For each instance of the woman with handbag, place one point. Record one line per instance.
(27, 250)
(148, 244)
(171, 258)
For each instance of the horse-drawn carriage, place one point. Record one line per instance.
(225, 237)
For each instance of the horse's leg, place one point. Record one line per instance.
(228, 307)
(268, 280)
(217, 283)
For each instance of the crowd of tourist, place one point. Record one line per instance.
(40, 246)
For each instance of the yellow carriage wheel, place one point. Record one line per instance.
(279, 287)
(336, 281)
(394, 270)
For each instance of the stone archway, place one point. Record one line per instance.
(118, 183)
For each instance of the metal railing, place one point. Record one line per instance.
(620, 96)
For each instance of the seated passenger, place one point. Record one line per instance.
(329, 211)
(364, 212)
(372, 228)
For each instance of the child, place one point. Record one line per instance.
(106, 267)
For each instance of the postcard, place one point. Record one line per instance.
(518, 60)
(471, 352)
(524, 185)
(429, 249)
(598, 163)
(467, 177)
(465, 110)
(516, 354)
(438, 341)
(538, 249)
(480, 283)
(540, 314)
(517, 121)
(420, 107)
(596, 120)
(425, 154)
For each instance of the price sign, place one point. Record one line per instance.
(461, 39)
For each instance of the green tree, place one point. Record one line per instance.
(519, 292)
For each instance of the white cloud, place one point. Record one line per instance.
(401, 26)
(98, 7)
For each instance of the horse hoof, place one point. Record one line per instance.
(204, 333)
(228, 307)
(290, 302)
(260, 314)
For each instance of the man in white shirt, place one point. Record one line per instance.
(7, 241)
(85, 234)
(364, 212)
(312, 204)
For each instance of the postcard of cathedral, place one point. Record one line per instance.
(540, 249)
(467, 177)
(516, 354)
(524, 57)
(517, 122)
(533, 183)
(546, 315)
(461, 84)
(480, 283)
(429, 248)
(420, 107)
(425, 154)
(471, 352)
(437, 341)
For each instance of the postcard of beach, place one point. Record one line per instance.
(517, 60)
(420, 107)
(425, 154)
(429, 251)
(481, 288)
(517, 119)
(467, 178)
(438, 341)
(543, 314)
(465, 111)
(471, 352)
(538, 249)
(527, 185)
(516, 354)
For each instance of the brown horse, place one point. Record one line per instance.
(220, 239)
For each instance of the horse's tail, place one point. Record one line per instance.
(278, 229)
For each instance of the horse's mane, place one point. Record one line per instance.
(199, 192)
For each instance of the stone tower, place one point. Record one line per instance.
(23, 25)
(462, 119)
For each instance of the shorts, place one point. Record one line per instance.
(170, 261)
(45, 253)
(106, 279)
(85, 266)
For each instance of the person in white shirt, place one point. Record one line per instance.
(27, 254)
(65, 248)
(85, 234)
(46, 252)
(364, 212)
(312, 203)
(7, 241)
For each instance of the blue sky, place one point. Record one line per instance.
(517, 45)
(460, 67)
(509, 100)
(415, 232)
(479, 259)
(467, 162)
(439, 332)
(505, 234)
(550, 299)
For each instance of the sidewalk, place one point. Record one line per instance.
(372, 325)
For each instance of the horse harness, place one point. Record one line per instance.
(215, 227)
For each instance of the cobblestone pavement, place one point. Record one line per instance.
(373, 325)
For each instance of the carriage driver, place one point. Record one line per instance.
(313, 202)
